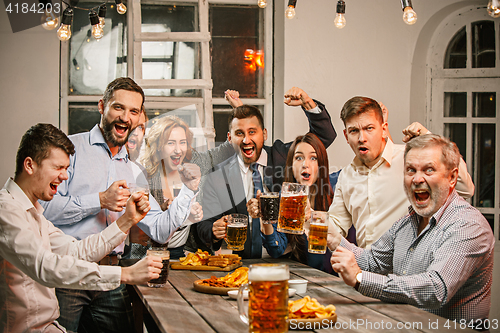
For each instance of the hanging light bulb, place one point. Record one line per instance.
(49, 19)
(64, 31)
(494, 8)
(290, 11)
(409, 15)
(120, 7)
(262, 3)
(340, 17)
(97, 31)
(102, 15)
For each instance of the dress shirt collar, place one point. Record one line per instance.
(261, 161)
(385, 158)
(18, 194)
(96, 138)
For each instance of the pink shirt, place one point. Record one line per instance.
(36, 257)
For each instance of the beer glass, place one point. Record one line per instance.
(165, 256)
(236, 231)
(292, 208)
(267, 299)
(269, 207)
(318, 232)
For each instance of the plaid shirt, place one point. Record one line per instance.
(446, 270)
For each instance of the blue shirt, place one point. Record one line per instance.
(76, 208)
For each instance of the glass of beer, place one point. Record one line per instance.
(267, 298)
(292, 208)
(269, 207)
(318, 232)
(236, 231)
(165, 256)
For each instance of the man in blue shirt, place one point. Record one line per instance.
(95, 195)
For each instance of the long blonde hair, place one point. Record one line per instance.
(155, 140)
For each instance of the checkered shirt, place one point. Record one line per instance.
(446, 270)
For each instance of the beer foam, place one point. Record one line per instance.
(268, 273)
(236, 225)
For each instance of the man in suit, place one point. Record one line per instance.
(236, 180)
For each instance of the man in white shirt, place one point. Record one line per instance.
(369, 194)
(36, 257)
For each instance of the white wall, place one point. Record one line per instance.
(29, 86)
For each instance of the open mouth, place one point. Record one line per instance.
(248, 151)
(53, 187)
(176, 160)
(121, 129)
(306, 176)
(421, 196)
(131, 143)
(363, 150)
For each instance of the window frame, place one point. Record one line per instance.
(469, 80)
(205, 104)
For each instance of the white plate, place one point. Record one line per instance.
(234, 293)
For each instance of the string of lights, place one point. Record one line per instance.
(97, 17)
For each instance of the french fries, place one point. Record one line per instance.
(309, 308)
(200, 258)
(232, 280)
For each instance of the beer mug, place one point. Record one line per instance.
(165, 259)
(267, 298)
(269, 207)
(139, 187)
(318, 232)
(236, 231)
(293, 208)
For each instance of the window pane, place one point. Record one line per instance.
(168, 18)
(93, 64)
(484, 161)
(456, 53)
(455, 104)
(458, 134)
(237, 50)
(82, 117)
(483, 44)
(170, 60)
(484, 104)
(491, 221)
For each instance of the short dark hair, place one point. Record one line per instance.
(122, 83)
(246, 111)
(37, 141)
(358, 105)
(450, 155)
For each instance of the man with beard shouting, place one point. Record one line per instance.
(94, 196)
(233, 182)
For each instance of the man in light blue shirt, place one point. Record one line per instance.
(95, 195)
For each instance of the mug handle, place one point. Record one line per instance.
(241, 308)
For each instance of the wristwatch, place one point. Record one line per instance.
(358, 280)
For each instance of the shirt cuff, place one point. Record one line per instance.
(315, 110)
(113, 235)
(372, 284)
(186, 192)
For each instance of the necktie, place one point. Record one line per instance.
(256, 251)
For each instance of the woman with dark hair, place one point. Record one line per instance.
(307, 164)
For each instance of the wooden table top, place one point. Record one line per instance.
(179, 308)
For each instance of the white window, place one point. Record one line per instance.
(464, 103)
(184, 54)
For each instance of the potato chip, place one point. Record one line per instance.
(306, 307)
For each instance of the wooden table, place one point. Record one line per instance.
(179, 308)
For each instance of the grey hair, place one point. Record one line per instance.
(450, 154)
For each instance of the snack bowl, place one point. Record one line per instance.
(234, 293)
(299, 285)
